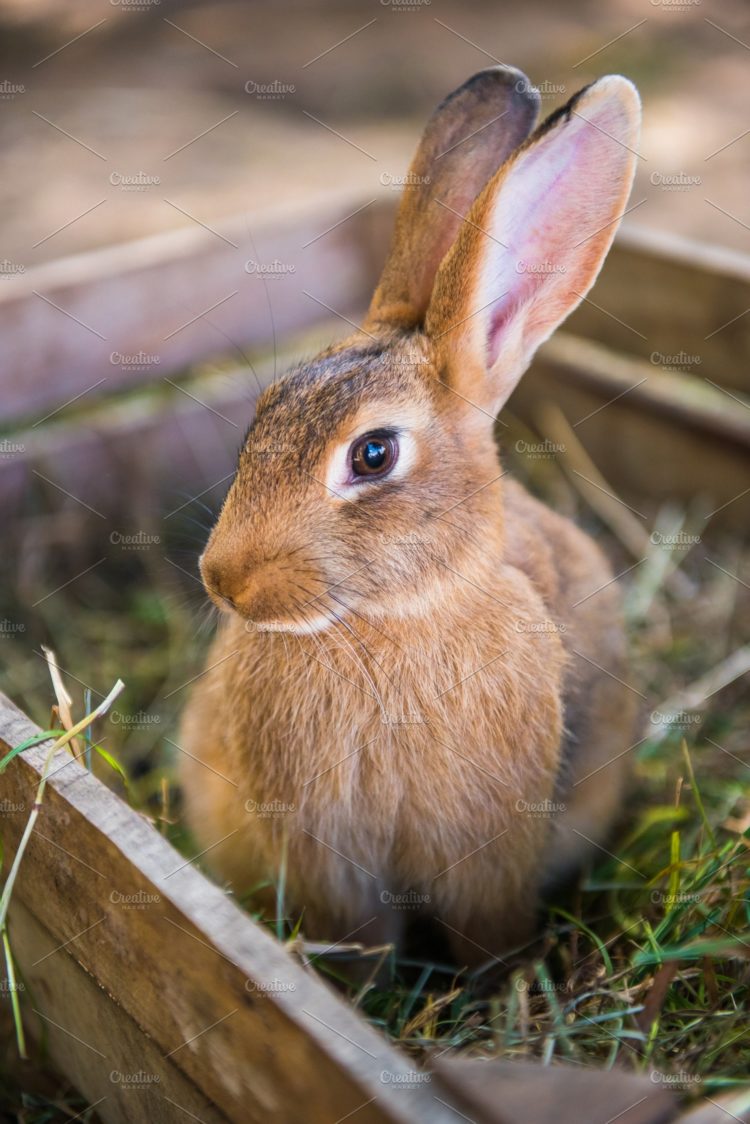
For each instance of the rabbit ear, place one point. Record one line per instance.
(468, 137)
(534, 241)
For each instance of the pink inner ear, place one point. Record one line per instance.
(502, 314)
(553, 200)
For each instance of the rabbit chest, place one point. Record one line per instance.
(400, 745)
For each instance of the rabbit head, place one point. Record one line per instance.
(369, 480)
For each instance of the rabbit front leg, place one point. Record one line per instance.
(488, 911)
(488, 934)
(377, 926)
(339, 907)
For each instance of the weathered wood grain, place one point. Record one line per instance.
(675, 302)
(658, 438)
(87, 325)
(260, 1037)
(93, 1041)
(517, 1092)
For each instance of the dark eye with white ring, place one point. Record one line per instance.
(373, 455)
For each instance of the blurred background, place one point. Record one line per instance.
(120, 118)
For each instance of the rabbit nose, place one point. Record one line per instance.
(214, 578)
(250, 586)
(226, 570)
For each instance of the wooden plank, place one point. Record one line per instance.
(691, 439)
(136, 313)
(720, 1109)
(130, 462)
(143, 455)
(258, 1035)
(678, 303)
(135, 457)
(517, 1092)
(683, 400)
(125, 1075)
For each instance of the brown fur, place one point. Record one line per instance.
(464, 679)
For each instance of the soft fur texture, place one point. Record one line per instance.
(417, 697)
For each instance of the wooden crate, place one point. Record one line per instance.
(157, 996)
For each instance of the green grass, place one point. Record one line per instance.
(648, 965)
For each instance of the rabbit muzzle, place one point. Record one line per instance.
(266, 593)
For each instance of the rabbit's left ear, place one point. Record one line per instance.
(469, 136)
(532, 245)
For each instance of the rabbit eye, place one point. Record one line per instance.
(373, 455)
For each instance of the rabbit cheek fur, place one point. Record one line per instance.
(416, 697)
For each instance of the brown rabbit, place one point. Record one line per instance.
(417, 697)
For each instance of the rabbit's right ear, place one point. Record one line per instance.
(469, 136)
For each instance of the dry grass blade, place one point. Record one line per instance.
(588, 480)
(5, 899)
(64, 701)
(430, 1011)
(698, 693)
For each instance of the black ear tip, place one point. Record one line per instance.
(489, 82)
(563, 113)
(493, 80)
